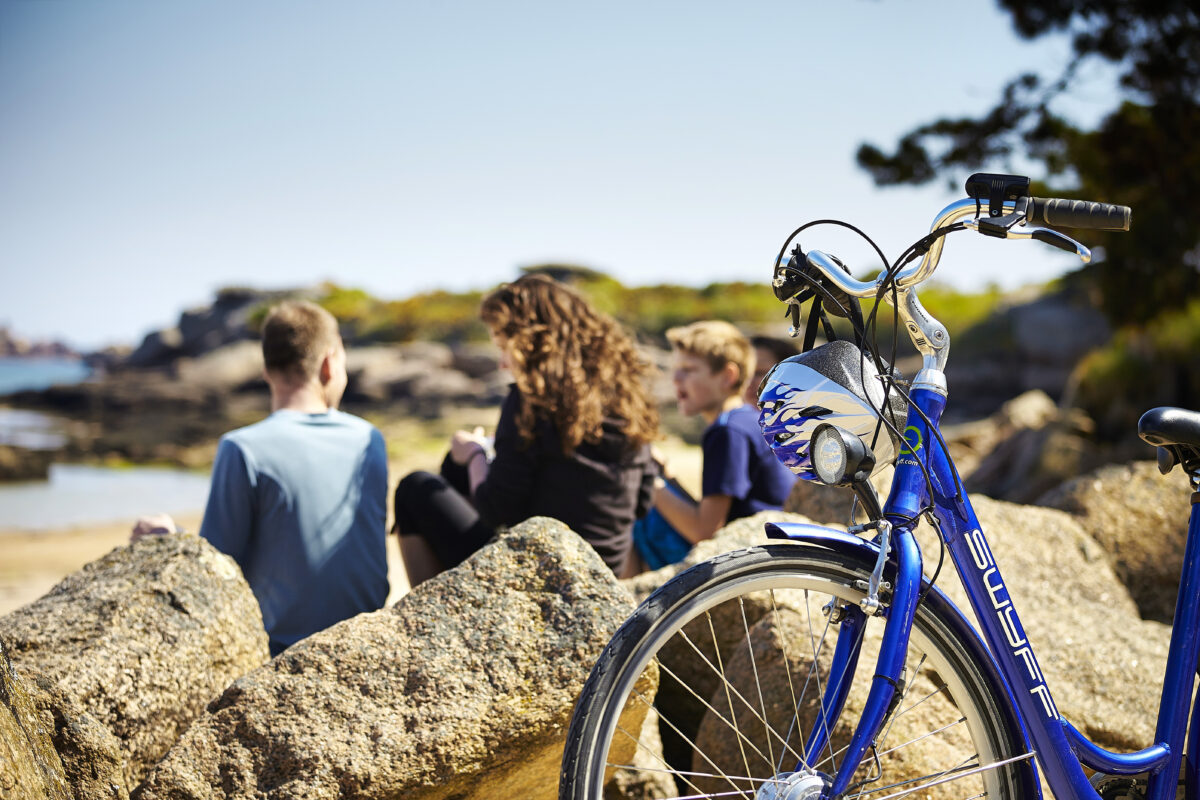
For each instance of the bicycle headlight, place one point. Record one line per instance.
(839, 456)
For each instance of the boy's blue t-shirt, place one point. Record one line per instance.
(738, 463)
(299, 501)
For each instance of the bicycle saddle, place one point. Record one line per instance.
(1176, 434)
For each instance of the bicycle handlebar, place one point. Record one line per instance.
(1051, 211)
(1078, 214)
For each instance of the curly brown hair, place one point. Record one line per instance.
(573, 365)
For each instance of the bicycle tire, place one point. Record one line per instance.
(959, 697)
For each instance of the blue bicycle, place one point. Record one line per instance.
(825, 664)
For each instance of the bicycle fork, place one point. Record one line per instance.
(885, 685)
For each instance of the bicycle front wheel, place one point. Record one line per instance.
(741, 648)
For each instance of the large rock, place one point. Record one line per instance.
(24, 464)
(30, 768)
(157, 349)
(1030, 446)
(142, 639)
(1140, 518)
(373, 371)
(463, 689)
(228, 368)
(476, 360)
(92, 757)
(1009, 352)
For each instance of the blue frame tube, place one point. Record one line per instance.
(1181, 664)
(833, 700)
(892, 652)
(1151, 759)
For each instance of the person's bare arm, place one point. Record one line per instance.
(469, 448)
(694, 521)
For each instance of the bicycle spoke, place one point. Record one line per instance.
(907, 688)
(757, 683)
(943, 729)
(725, 682)
(730, 688)
(687, 739)
(816, 665)
(638, 741)
(946, 777)
(741, 737)
(685, 773)
(794, 722)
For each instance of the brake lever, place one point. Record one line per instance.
(1047, 235)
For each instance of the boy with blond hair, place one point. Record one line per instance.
(712, 362)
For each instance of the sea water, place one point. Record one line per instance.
(78, 494)
(20, 374)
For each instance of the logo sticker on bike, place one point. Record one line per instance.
(1006, 615)
(913, 440)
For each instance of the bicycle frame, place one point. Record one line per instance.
(1061, 750)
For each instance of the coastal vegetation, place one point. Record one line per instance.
(1142, 367)
(452, 317)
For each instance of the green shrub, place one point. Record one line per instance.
(1142, 367)
(647, 310)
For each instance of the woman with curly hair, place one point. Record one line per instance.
(573, 441)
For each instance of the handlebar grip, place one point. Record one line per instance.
(1078, 214)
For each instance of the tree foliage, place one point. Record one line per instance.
(1144, 153)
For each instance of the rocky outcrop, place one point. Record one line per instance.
(141, 639)
(13, 346)
(206, 328)
(1010, 352)
(24, 464)
(1025, 449)
(463, 689)
(30, 768)
(231, 368)
(1140, 517)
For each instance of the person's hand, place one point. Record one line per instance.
(465, 444)
(153, 525)
(660, 458)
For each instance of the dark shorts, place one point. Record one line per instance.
(436, 508)
(656, 541)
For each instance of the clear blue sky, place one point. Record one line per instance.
(151, 152)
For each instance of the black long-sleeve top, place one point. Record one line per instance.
(597, 491)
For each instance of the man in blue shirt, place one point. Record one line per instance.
(298, 500)
(712, 361)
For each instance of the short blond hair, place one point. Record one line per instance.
(296, 335)
(718, 343)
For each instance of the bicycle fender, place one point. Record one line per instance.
(867, 552)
